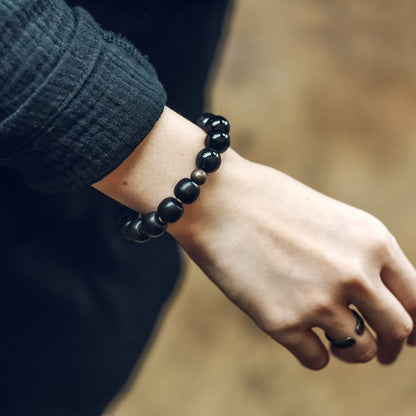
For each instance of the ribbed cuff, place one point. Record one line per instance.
(90, 112)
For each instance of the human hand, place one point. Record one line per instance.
(294, 259)
(290, 257)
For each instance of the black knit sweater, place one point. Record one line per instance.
(75, 99)
(78, 303)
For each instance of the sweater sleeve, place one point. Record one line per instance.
(75, 100)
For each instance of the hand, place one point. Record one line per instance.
(294, 259)
(290, 257)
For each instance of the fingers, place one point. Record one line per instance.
(306, 347)
(339, 323)
(384, 314)
(342, 323)
(399, 276)
(387, 316)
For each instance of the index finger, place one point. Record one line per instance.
(399, 276)
(388, 318)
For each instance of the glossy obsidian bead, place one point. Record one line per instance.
(217, 123)
(170, 210)
(152, 226)
(125, 225)
(203, 120)
(187, 191)
(132, 230)
(218, 140)
(199, 176)
(208, 160)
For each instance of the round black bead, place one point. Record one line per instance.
(208, 160)
(218, 140)
(170, 210)
(217, 123)
(125, 215)
(203, 120)
(186, 191)
(152, 226)
(125, 229)
(132, 230)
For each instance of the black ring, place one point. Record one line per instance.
(348, 341)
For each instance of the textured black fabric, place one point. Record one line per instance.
(76, 100)
(77, 302)
(180, 37)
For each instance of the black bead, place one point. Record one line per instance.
(125, 228)
(152, 226)
(217, 123)
(203, 120)
(218, 140)
(125, 215)
(132, 230)
(170, 210)
(186, 191)
(208, 160)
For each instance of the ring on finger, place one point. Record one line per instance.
(348, 341)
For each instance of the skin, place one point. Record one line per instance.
(291, 258)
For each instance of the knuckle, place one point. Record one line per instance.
(401, 332)
(375, 237)
(277, 326)
(326, 310)
(356, 281)
(381, 241)
(268, 322)
(353, 280)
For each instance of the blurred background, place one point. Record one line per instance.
(325, 91)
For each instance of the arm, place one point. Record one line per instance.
(262, 237)
(288, 256)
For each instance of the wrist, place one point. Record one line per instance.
(167, 156)
(150, 173)
(217, 195)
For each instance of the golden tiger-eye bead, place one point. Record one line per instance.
(199, 176)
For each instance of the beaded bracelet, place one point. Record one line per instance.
(186, 191)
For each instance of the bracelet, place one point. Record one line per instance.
(153, 224)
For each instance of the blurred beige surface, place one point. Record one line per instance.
(325, 91)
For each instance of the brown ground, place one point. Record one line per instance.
(326, 91)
